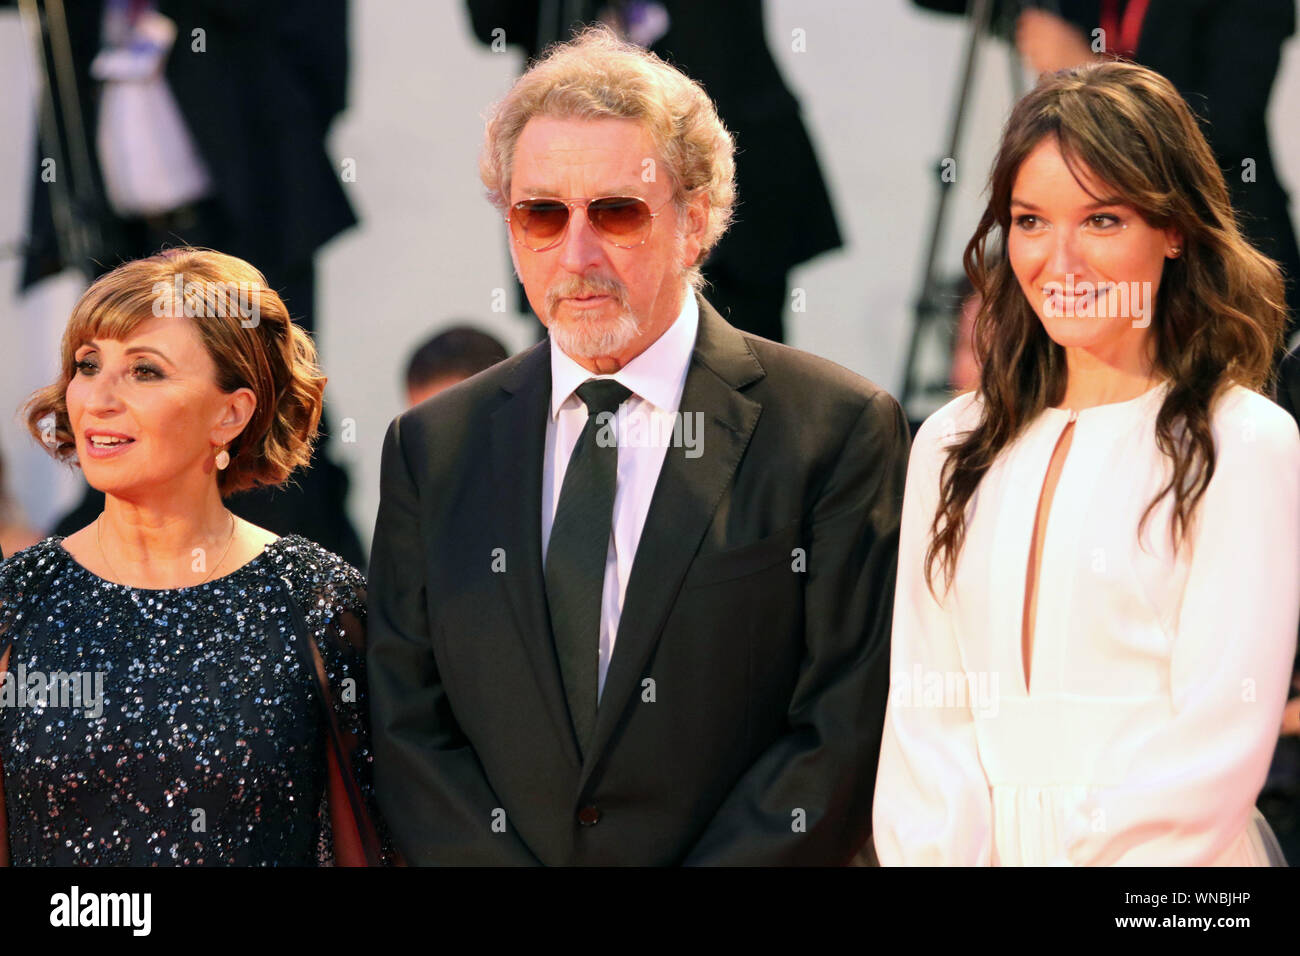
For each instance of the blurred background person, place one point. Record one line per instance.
(785, 216)
(203, 123)
(449, 357)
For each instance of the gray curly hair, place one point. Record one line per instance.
(598, 76)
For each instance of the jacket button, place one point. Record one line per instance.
(589, 816)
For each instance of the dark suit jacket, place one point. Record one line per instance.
(258, 101)
(757, 740)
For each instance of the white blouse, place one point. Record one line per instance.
(1158, 679)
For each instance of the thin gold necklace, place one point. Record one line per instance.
(99, 540)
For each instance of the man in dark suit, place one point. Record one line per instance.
(588, 646)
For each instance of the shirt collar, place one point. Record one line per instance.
(657, 375)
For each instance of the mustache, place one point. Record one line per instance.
(574, 286)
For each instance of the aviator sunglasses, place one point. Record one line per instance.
(540, 224)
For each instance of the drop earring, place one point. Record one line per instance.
(223, 460)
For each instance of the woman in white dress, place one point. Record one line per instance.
(1099, 563)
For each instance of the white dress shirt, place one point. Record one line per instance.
(656, 378)
(1158, 678)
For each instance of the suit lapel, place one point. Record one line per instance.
(518, 442)
(685, 498)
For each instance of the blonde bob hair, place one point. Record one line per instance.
(252, 341)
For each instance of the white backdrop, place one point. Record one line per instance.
(876, 80)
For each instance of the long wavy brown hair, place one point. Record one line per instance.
(1219, 315)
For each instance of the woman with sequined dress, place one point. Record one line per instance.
(177, 685)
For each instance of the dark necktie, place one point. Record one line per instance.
(575, 554)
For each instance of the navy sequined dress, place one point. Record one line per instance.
(184, 726)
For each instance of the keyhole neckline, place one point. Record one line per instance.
(1111, 409)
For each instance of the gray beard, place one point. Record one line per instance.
(582, 339)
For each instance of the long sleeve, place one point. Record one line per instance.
(355, 830)
(432, 790)
(825, 764)
(932, 803)
(1194, 778)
